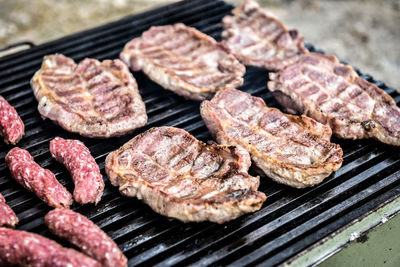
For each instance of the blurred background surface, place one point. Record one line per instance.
(365, 33)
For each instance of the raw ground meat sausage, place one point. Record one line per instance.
(86, 235)
(11, 125)
(292, 150)
(7, 215)
(20, 248)
(40, 181)
(84, 170)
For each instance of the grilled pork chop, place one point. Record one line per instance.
(183, 178)
(93, 99)
(292, 150)
(322, 88)
(183, 60)
(258, 39)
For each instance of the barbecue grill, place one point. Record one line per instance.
(291, 223)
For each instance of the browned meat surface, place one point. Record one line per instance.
(20, 248)
(7, 215)
(258, 39)
(93, 99)
(183, 60)
(292, 150)
(85, 235)
(183, 178)
(332, 93)
(34, 178)
(85, 172)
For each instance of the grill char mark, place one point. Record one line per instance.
(292, 150)
(95, 99)
(259, 39)
(353, 107)
(211, 183)
(183, 60)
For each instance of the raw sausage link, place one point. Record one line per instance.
(84, 170)
(11, 125)
(40, 181)
(7, 215)
(28, 249)
(86, 235)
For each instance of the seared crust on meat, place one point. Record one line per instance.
(183, 178)
(258, 39)
(93, 99)
(292, 150)
(332, 93)
(183, 60)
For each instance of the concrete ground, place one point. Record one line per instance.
(365, 33)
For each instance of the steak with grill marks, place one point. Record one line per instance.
(183, 60)
(258, 39)
(93, 99)
(292, 150)
(332, 93)
(183, 178)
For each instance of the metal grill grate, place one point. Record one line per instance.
(290, 220)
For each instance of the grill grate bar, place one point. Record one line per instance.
(367, 194)
(179, 109)
(15, 98)
(203, 234)
(159, 251)
(96, 34)
(280, 206)
(106, 43)
(261, 235)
